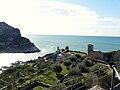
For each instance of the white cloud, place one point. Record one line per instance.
(107, 19)
(48, 17)
(109, 26)
(67, 18)
(53, 17)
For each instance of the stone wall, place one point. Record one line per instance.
(96, 54)
(114, 55)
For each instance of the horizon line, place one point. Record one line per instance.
(69, 35)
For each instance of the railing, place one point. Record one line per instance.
(68, 85)
(114, 71)
(76, 81)
(71, 84)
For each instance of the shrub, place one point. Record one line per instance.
(105, 82)
(38, 88)
(84, 69)
(67, 63)
(83, 57)
(57, 68)
(79, 64)
(59, 87)
(20, 80)
(10, 71)
(78, 55)
(87, 58)
(73, 58)
(59, 76)
(42, 65)
(75, 72)
(30, 69)
(99, 69)
(90, 80)
(73, 64)
(89, 63)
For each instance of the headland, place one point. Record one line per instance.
(11, 41)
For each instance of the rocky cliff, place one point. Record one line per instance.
(11, 41)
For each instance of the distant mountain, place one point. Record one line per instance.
(11, 41)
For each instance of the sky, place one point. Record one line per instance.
(63, 17)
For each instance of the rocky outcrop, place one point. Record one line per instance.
(11, 41)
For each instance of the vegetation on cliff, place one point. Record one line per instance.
(75, 69)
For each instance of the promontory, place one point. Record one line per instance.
(11, 41)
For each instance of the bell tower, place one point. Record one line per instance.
(90, 48)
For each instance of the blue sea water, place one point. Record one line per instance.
(49, 43)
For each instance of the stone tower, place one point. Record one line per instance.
(90, 48)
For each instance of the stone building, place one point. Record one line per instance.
(90, 48)
(107, 56)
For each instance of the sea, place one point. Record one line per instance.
(49, 43)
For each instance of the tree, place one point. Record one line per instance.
(89, 63)
(57, 68)
(67, 48)
(75, 72)
(67, 63)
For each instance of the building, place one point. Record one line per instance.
(90, 48)
(107, 56)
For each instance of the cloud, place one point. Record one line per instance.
(108, 27)
(54, 17)
(107, 19)
(66, 18)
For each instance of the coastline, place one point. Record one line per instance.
(8, 58)
(24, 57)
(48, 44)
(56, 66)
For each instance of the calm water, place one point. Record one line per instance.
(49, 44)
